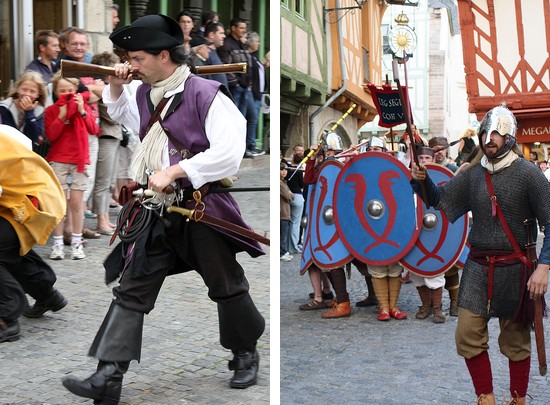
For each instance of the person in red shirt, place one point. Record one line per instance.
(68, 123)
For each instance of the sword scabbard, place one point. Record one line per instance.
(531, 249)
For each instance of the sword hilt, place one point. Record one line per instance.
(183, 211)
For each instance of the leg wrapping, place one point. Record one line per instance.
(480, 371)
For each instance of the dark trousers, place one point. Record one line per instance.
(20, 274)
(244, 100)
(285, 236)
(213, 256)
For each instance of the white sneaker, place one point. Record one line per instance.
(57, 252)
(287, 257)
(78, 252)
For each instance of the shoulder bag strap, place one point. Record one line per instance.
(156, 114)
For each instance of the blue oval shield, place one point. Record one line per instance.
(376, 214)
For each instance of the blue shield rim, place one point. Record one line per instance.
(427, 259)
(306, 259)
(326, 245)
(351, 221)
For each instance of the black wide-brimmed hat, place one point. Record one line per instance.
(153, 32)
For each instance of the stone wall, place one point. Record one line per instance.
(98, 24)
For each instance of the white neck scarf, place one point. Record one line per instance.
(149, 153)
(500, 164)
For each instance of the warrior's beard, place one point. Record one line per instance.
(492, 152)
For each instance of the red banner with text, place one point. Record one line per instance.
(388, 104)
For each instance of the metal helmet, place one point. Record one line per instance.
(501, 120)
(333, 141)
(376, 141)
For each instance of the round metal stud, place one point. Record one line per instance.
(328, 215)
(430, 221)
(376, 209)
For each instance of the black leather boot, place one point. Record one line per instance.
(245, 364)
(105, 385)
(240, 327)
(9, 331)
(54, 302)
(117, 342)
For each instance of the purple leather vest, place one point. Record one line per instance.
(185, 120)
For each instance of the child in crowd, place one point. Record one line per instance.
(68, 123)
(23, 109)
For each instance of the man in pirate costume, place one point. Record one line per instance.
(501, 189)
(192, 136)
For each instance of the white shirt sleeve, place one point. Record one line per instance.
(225, 129)
(125, 109)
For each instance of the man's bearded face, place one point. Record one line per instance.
(496, 143)
(440, 155)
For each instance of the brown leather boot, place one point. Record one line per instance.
(453, 309)
(486, 399)
(340, 310)
(452, 282)
(426, 298)
(437, 297)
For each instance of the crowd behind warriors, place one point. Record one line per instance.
(90, 153)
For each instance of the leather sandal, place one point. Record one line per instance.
(89, 234)
(312, 305)
(326, 296)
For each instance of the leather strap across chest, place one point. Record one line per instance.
(518, 252)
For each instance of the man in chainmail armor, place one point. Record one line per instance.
(519, 188)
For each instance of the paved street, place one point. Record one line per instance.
(360, 360)
(182, 360)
